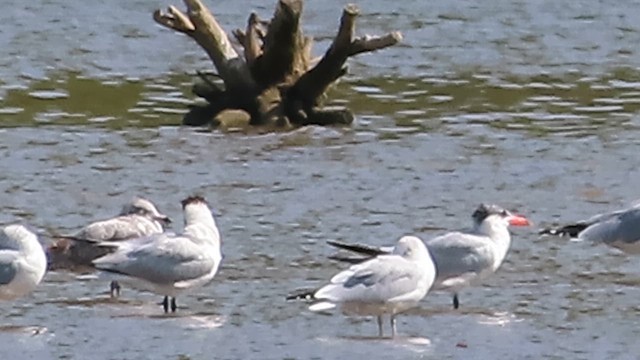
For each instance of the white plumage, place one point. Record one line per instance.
(22, 262)
(138, 218)
(464, 258)
(170, 264)
(384, 285)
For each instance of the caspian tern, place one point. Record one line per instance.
(461, 258)
(169, 264)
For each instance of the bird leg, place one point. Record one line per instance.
(115, 289)
(393, 326)
(380, 325)
(456, 303)
(174, 306)
(165, 304)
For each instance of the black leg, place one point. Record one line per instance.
(115, 289)
(173, 304)
(456, 303)
(165, 304)
(393, 326)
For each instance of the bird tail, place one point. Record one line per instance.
(301, 294)
(308, 295)
(357, 248)
(571, 230)
(72, 253)
(349, 259)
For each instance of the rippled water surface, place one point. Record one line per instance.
(529, 104)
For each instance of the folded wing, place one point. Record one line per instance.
(623, 227)
(160, 259)
(120, 228)
(460, 255)
(381, 279)
(8, 266)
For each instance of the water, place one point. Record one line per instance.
(528, 104)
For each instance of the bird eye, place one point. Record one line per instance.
(504, 213)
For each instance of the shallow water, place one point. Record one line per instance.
(527, 104)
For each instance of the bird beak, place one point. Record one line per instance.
(165, 219)
(519, 220)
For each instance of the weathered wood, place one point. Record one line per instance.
(274, 80)
(251, 40)
(327, 117)
(174, 19)
(201, 25)
(373, 43)
(281, 44)
(207, 89)
(315, 82)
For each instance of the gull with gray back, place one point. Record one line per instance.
(138, 218)
(169, 264)
(387, 284)
(619, 229)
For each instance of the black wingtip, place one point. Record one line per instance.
(357, 248)
(301, 294)
(547, 231)
(572, 230)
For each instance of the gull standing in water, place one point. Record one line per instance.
(386, 284)
(169, 264)
(619, 229)
(22, 262)
(462, 258)
(138, 218)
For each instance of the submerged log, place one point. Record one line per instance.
(275, 80)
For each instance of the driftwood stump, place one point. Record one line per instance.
(275, 80)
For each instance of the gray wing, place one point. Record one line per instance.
(160, 259)
(575, 229)
(623, 226)
(119, 228)
(603, 217)
(377, 280)
(11, 237)
(8, 266)
(6, 242)
(456, 254)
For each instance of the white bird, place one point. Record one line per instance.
(22, 262)
(619, 229)
(462, 258)
(170, 264)
(386, 284)
(138, 218)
